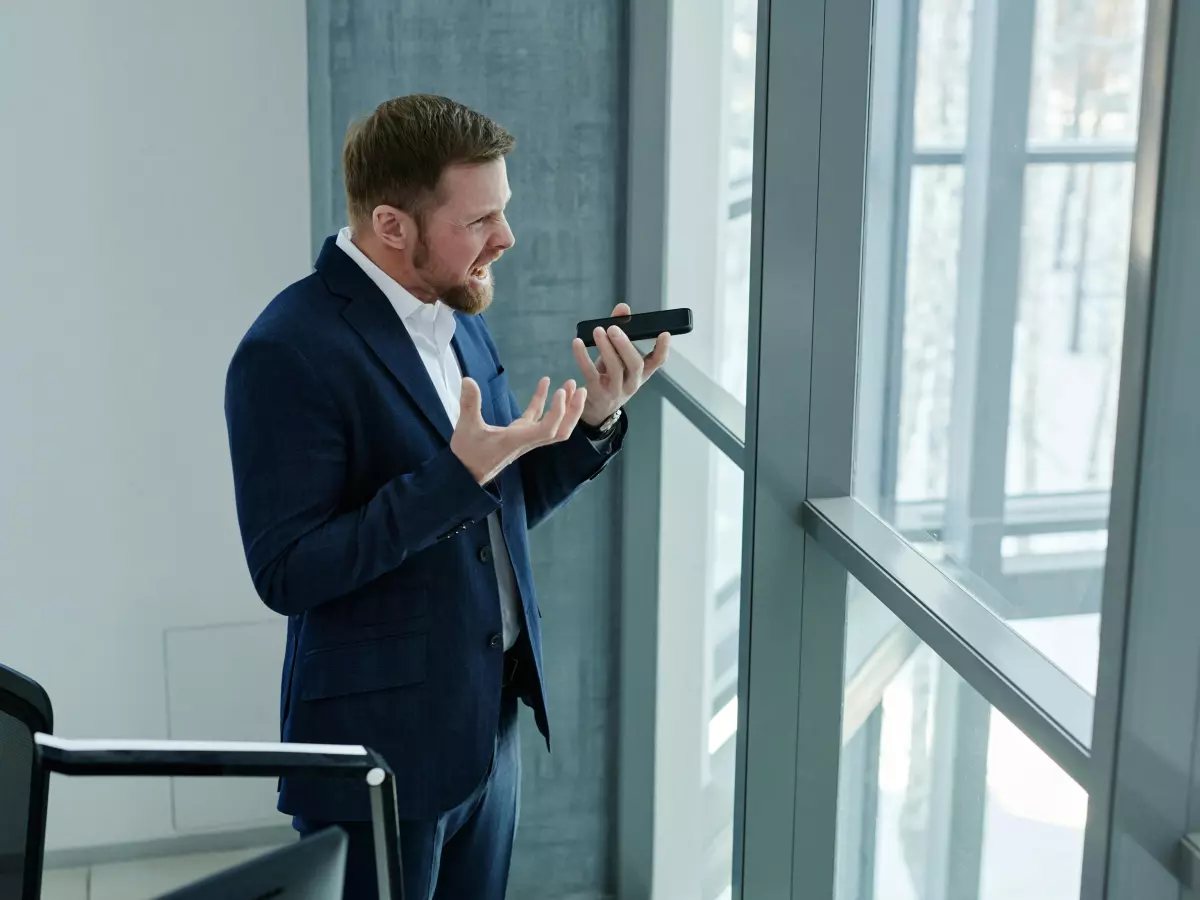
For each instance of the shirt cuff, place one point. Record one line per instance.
(606, 443)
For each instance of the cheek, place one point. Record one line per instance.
(472, 251)
(457, 249)
(453, 260)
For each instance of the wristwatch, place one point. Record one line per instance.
(604, 429)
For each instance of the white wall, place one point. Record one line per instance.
(154, 195)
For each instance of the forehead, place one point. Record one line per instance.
(474, 189)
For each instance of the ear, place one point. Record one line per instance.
(394, 227)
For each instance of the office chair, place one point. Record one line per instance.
(25, 711)
(29, 752)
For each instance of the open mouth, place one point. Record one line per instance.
(482, 274)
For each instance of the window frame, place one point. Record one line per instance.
(804, 531)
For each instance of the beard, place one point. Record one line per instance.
(465, 296)
(468, 298)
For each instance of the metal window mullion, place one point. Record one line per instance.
(783, 241)
(1065, 155)
(1147, 736)
(703, 402)
(905, 161)
(1029, 690)
(890, 113)
(837, 285)
(1079, 154)
(937, 158)
(885, 203)
(648, 34)
(984, 325)
(989, 279)
(1040, 155)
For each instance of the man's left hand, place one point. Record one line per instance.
(620, 370)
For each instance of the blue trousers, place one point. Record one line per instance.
(464, 853)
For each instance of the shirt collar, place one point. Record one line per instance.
(435, 320)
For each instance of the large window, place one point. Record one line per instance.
(1002, 246)
(692, 547)
(916, 598)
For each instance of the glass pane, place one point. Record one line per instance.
(1087, 71)
(994, 296)
(699, 613)
(928, 355)
(943, 52)
(1067, 347)
(940, 796)
(712, 167)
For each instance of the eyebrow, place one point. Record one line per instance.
(492, 210)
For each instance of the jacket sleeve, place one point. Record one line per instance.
(552, 474)
(288, 447)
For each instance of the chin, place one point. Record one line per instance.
(470, 298)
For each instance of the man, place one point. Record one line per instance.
(386, 481)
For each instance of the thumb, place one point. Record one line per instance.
(470, 401)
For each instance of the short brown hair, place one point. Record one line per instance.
(396, 155)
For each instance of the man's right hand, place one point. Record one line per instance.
(487, 449)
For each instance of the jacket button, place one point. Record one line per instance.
(485, 554)
(496, 641)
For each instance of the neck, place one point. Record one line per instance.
(396, 265)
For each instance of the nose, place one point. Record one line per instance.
(505, 237)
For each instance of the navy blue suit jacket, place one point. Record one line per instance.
(363, 528)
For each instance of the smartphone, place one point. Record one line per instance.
(640, 326)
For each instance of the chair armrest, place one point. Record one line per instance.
(227, 758)
(237, 759)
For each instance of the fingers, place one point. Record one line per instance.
(608, 353)
(573, 414)
(584, 359)
(656, 357)
(470, 400)
(622, 309)
(631, 359)
(553, 419)
(563, 415)
(533, 412)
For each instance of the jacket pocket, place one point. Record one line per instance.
(497, 387)
(373, 665)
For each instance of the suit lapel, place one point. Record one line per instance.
(386, 335)
(475, 362)
(374, 318)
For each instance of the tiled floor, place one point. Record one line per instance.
(140, 880)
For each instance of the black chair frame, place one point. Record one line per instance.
(193, 758)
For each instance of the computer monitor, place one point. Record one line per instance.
(313, 868)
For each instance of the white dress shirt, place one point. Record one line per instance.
(431, 326)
